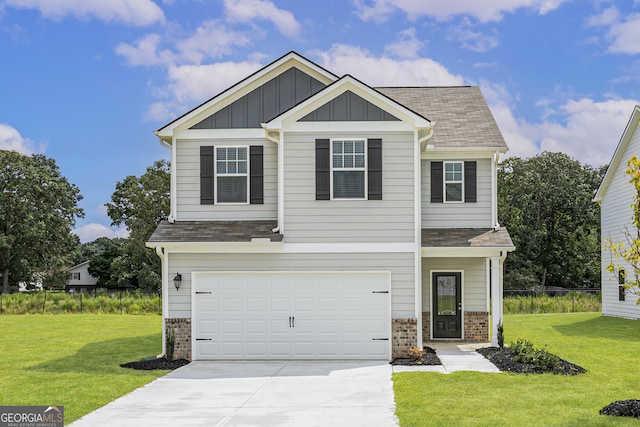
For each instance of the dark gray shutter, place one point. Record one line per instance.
(207, 177)
(436, 182)
(374, 167)
(256, 175)
(470, 182)
(323, 170)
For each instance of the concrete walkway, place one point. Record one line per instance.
(454, 357)
(261, 393)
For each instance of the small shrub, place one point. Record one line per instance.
(526, 353)
(500, 336)
(170, 343)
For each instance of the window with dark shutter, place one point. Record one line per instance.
(470, 182)
(207, 177)
(323, 170)
(437, 182)
(256, 180)
(374, 166)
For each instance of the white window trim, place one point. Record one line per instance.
(215, 174)
(444, 183)
(363, 169)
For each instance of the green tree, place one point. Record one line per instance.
(629, 249)
(546, 203)
(102, 252)
(140, 203)
(38, 210)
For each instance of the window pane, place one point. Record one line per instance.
(454, 192)
(359, 161)
(348, 161)
(242, 166)
(337, 161)
(337, 147)
(359, 147)
(221, 153)
(221, 167)
(348, 146)
(232, 189)
(348, 184)
(232, 167)
(242, 154)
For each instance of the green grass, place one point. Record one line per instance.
(573, 302)
(607, 347)
(73, 360)
(63, 302)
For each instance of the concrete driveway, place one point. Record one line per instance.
(262, 393)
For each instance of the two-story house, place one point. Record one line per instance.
(316, 217)
(616, 196)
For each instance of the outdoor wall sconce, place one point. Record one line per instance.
(177, 281)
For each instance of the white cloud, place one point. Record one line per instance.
(585, 129)
(210, 40)
(385, 71)
(623, 35)
(247, 10)
(90, 232)
(136, 13)
(407, 46)
(144, 52)
(607, 17)
(473, 40)
(483, 11)
(10, 139)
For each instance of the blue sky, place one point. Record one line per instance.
(87, 82)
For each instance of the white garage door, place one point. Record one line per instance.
(291, 316)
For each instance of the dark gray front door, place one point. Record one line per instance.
(447, 305)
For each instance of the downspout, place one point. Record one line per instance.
(172, 191)
(422, 141)
(494, 190)
(274, 135)
(165, 296)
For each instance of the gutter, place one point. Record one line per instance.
(423, 140)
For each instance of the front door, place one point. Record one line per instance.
(447, 305)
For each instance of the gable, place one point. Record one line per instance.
(348, 107)
(265, 102)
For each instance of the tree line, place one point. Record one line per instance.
(544, 201)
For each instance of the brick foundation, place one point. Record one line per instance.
(182, 331)
(476, 327)
(404, 336)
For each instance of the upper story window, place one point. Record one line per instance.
(76, 276)
(348, 168)
(453, 181)
(232, 177)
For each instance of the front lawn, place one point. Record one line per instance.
(73, 360)
(608, 348)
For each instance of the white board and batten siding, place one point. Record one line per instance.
(458, 215)
(474, 280)
(617, 214)
(345, 221)
(401, 266)
(291, 315)
(188, 183)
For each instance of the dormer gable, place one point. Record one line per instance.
(281, 84)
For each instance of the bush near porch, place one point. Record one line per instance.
(607, 347)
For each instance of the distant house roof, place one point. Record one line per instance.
(79, 265)
(461, 114)
(466, 237)
(214, 231)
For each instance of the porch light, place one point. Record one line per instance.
(177, 281)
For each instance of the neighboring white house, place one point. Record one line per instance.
(81, 280)
(316, 217)
(615, 197)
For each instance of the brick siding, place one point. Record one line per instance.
(404, 336)
(182, 330)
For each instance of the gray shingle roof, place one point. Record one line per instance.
(214, 231)
(466, 237)
(461, 113)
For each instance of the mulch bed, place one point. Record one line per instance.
(622, 408)
(429, 358)
(156, 363)
(504, 360)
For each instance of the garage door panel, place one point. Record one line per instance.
(291, 315)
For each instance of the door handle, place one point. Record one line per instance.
(289, 321)
(293, 321)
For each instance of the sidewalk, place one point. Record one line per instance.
(454, 357)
